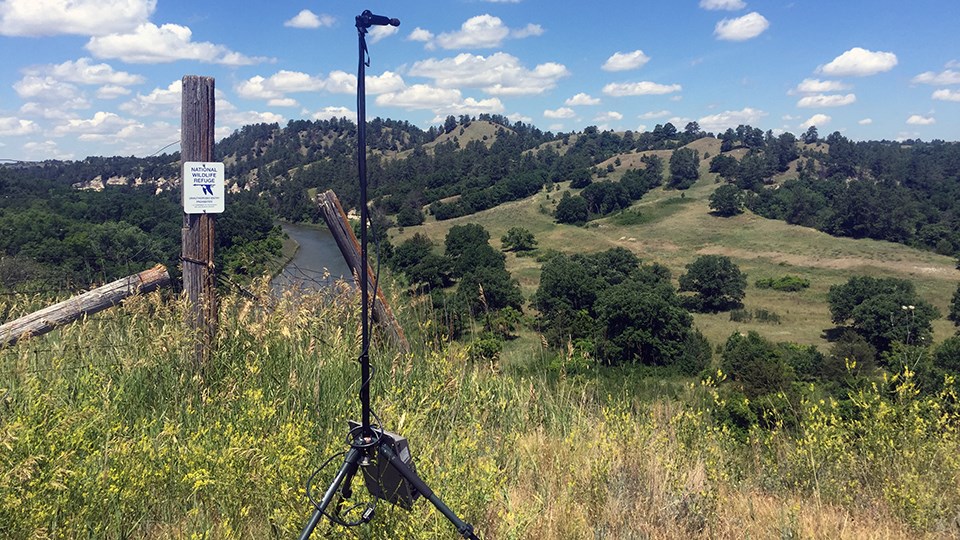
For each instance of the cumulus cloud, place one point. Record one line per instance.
(378, 33)
(102, 123)
(152, 44)
(562, 112)
(442, 101)
(282, 102)
(826, 100)
(865, 121)
(47, 89)
(650, 115)
(483, 32)
(642, 88)
(609, 116)
(160, 101)
(236, 119)
(308, 19)
(278, 85)
(14, 126)
(112, 91)
(918, 120)
(625, 61)
(727, 5)
(419, 34)
(497, 74)
(582, 99)
(816, 120)
(946, 95)
(859, 62)
(44, 150)
(743, 28)
(816, 86)
(731, 119)
(328, 113)
(82, 71)
(944, 78)
(78, 17)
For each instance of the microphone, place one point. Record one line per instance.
(368, 19)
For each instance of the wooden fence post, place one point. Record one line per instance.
(197, 123)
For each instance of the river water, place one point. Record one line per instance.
(318, 262)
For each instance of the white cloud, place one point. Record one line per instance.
(327, 113)
(160, 101)
(731, 119)
(481, 32)
(309, 19)
(946, 95)
(112, 91)
(497, 74)
(743, 28)
(442, 101)
(530, 30)
(102, 123)
(83, 72)
(609, 116)
(582, 99)
(278, 85)
(643, 88)
(48, 90)
(79, 17)
(419, 34)
(944, 78)
(728, 5)
(10, 127)
(282, 102)
(816, 86)
(826, 100)
(859, 62)
(865, 121)
(152, 44)
(650, 115)
(378, 33)
(562, 112)
(625, 61)
(918, 120)
(238, 119)
(44, 150)
(55, 111)
(818, 119)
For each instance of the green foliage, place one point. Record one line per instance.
(954, 314)
(727, 200)
(518, 239)
(755, 365)
(784, 283)
(717, 282)
(572, 210)
(882, 310)
(684, 168)
(409, 217)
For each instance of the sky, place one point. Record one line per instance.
(102, 77)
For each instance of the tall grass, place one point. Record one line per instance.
(107, 431)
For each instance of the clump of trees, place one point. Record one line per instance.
(621, 311)
(717, 284)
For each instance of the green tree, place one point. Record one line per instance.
(488, 288)
(755, 365)
(717, 282)
(684, 168)
(462, 237)
(518, 239)
(955, 307)
(409, 217)
(727, 200)
(571, 209)
(883, 310)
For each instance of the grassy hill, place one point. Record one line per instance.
(678, 226)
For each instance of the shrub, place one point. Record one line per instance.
(785, 283)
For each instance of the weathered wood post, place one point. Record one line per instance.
(197, 122)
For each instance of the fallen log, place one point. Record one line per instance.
(88, 303)
(342, 232)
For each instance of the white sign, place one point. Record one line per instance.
(203, 187)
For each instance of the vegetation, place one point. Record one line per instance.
(717, 281)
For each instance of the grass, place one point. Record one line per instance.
(674, 231)
(107, 431)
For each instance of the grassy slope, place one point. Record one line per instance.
(677, 231)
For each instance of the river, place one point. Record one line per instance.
(317, 263)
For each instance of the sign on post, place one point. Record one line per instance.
(203, 187)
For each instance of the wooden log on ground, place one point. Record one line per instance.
(88, 303)
(349, 246)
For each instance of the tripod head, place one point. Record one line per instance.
(366, 20)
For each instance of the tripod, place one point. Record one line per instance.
(382, 456)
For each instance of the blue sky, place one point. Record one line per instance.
(101, 77)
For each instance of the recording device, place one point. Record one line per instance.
(367, 19)
(381, 476)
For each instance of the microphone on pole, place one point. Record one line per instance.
(368, 19)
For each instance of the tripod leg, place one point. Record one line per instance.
(464, 528)
(347, 471)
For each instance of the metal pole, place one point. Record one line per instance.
(364, 293)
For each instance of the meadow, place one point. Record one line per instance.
(107, 430)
